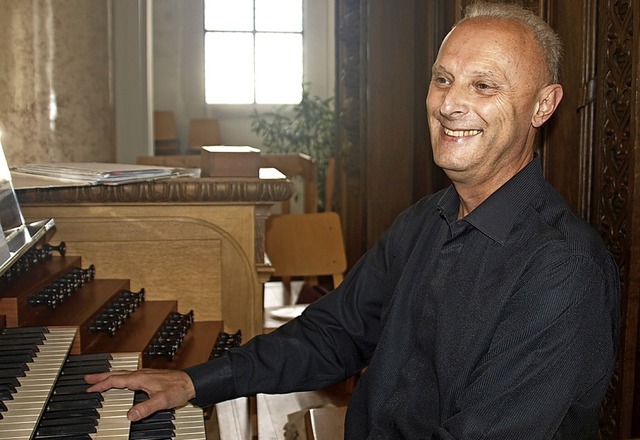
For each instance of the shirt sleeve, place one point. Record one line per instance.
(553, 353)
(332, 340)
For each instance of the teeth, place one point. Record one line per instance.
(461, 133)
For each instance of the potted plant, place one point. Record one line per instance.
(307, 127)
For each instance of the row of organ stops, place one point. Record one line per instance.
(62, 288)
(170, 336)
(32, 257)
(116, 313)
(113, 316)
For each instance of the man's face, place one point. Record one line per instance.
(482, 97)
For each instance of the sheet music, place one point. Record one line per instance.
(97, 173)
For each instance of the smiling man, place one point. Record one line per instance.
(486, 102)
(486, 311)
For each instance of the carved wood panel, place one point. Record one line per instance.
(351, 102)
(615, 197)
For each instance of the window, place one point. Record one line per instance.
(253, 51)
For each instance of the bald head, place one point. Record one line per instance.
(548, 42)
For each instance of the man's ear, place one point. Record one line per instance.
(549, 98)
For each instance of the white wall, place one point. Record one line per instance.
(178, 66)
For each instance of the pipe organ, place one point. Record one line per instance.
(162, 274)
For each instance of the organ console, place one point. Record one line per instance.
(59, 320)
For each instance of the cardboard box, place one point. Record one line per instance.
(229, 161)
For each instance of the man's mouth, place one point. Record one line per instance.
(461, 133)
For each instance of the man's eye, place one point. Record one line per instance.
(483, 86)
(441, 81)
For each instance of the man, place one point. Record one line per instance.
(488, 310)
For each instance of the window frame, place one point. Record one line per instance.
(254, 32)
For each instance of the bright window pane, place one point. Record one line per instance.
(228, 15)
(279, 15)
(229, 68)
(278, 68)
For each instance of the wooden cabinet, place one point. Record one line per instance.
(200, 241)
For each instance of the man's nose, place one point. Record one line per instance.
(455, 102)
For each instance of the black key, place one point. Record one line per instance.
(61, 430)
(90, 356)
(70, 389)
(156, 434)
(23, 335)
(79, 376)
(160, 415)
(69, 381)
(13, 358)
(84, 370)
(17, 342)
(68, 421)
(7, 387)
(67, 437)
(74, 404)
(88, 362)
(164, 424)
(20, 365)
(72, 413)
(11, 372)
(10, 351)
(140, 396)
(24, 330)
(67, 397)
(10, 381)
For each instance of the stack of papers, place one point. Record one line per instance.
(94, 173)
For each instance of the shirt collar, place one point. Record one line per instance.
(495, 216)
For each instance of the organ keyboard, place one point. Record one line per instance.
(33, 380)
(46, 399)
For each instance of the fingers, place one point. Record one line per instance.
(166, 388)
(103, 381)
(144, 409)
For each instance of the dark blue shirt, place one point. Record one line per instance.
(500, 325)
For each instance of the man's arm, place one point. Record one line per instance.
(333, 339)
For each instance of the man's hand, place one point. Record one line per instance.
(166, 388)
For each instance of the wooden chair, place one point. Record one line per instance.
(325, 423)
(202, 132)
(165, 134)
(302, 246)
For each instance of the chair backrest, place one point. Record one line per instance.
(306, 245)
(165, 133)
(164, 125)
(203, 131)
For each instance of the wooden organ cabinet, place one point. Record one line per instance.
(196, 240)
(161, 274)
